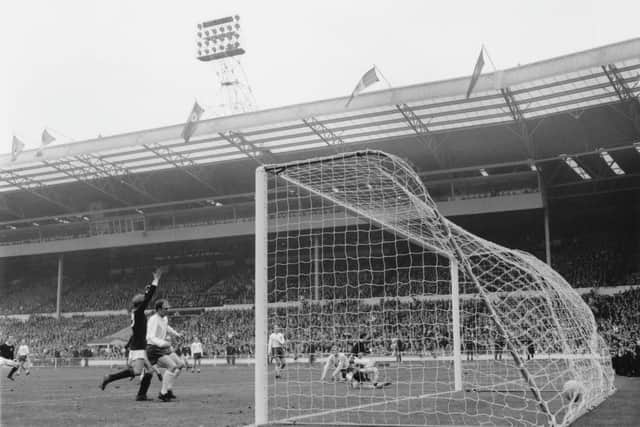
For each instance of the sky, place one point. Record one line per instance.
(83, 68)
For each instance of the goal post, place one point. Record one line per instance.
(352, 249)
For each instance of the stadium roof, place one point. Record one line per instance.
(433, 124)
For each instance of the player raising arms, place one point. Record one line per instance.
(7, 350)
(159, 348)
(138, 361)
(337, 361)
(276, 349)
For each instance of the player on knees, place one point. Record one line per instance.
(159, 349)
(276, 349)
(138, 362)
(337, 361)
(7, 354)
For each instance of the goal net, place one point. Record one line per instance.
(452, 329)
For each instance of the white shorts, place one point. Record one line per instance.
(8, 362)
(137, 354)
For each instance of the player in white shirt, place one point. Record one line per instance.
(159, 350)
(276, 349)
(23, 357)
(196, 353)
(337, 361)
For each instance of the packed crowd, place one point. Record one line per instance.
(618, 318)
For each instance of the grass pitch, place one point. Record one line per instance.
(222, 396)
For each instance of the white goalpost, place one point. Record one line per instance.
(352, 249)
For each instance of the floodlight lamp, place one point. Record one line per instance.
(237, 17)
(35, 224)
(483, 172)
(636, 145)
(11, 227)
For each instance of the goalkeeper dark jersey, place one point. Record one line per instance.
(138, 340)
(7, 351)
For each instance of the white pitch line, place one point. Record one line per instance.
(333, 411)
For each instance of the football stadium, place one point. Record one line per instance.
(457, 252)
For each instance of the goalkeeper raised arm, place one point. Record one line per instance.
(138, 342)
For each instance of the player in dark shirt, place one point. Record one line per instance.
(138, 362)
(7, 356)
(361, 347)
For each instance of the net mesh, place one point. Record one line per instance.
(357, 251)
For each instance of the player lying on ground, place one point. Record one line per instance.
(337, 362)
(362, 373)
(138, 362)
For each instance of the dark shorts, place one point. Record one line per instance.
(277, 352)
(197, 356)
(22, 358)
(154, 353)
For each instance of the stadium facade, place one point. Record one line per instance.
(527, 148)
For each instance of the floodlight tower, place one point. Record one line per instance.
(218, 42)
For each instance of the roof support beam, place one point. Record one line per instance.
(36, 188)
(422, 131)
(324, 133)
(524, 133)
(624, 93)
(85, 175)
(106, 169)
(181, 162)
(247, 147)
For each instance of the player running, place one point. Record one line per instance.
(276, 349)
(23, 357)
(138, 362)
(7, 354)
(159, 349)
(340, 364)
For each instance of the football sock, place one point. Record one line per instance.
(126, 373)
(167, 381)
(144, 384)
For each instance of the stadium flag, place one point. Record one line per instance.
(47, 139)
(476, 72)
(16, 148)
(369, 78)
(192, 121)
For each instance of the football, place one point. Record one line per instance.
(572, 391)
